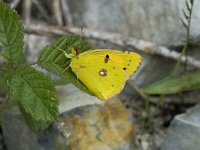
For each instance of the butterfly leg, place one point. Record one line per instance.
(66, 68)
(77, 78)
(76, 73)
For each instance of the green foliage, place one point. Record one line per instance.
(54, 60)
(3, 85)
(187, 14)
(11, 34)
(35, 92)
(32, 123)
(174, 84)
(32, 90)
(5, 77)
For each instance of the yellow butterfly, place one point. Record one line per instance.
(104, 72)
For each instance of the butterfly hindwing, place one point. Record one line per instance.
(105, 72)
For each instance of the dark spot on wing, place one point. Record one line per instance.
(106, 58)
(124, 68)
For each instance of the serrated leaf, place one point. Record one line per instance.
(55, 61)
(6, 75)
(173, 85)
(3, 85)
(33, 124)
(11, 34)
(35, 92)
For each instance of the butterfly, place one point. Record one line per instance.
(104, 72)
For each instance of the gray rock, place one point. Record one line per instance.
(70, 97)
(194, 27)
(184, 132)
(157, 21)
(17, 135)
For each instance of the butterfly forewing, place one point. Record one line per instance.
(105, 72)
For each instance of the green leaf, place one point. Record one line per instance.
(55, 61)
(6, 75)
(35, 92)
(3, 85)
(11, 34)
(176, 84)
(33, 124)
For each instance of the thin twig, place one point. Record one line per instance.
(57, 12)
(42, 11)
(27, 11)
(115, 38)
(137, 89)
(66, 13)
(187, 26)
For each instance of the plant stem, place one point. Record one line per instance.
(183, 52)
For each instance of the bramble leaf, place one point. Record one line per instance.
(33, 124)
(11, 34)
(35, 92)
(6, 75)
(53, 59)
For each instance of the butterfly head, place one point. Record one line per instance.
(75, 51)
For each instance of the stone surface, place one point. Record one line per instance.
(99, 127)
(17, 135)
(70, 97)
(157, 21)
(194, 27)
(184, 131)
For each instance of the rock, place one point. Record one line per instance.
(16, 134)
(194, 27)
(99, 127)
(184, 131)
(156, 21)
(70, 97)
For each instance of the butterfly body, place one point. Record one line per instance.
(104, 72)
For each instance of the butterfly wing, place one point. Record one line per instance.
(105, 72)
